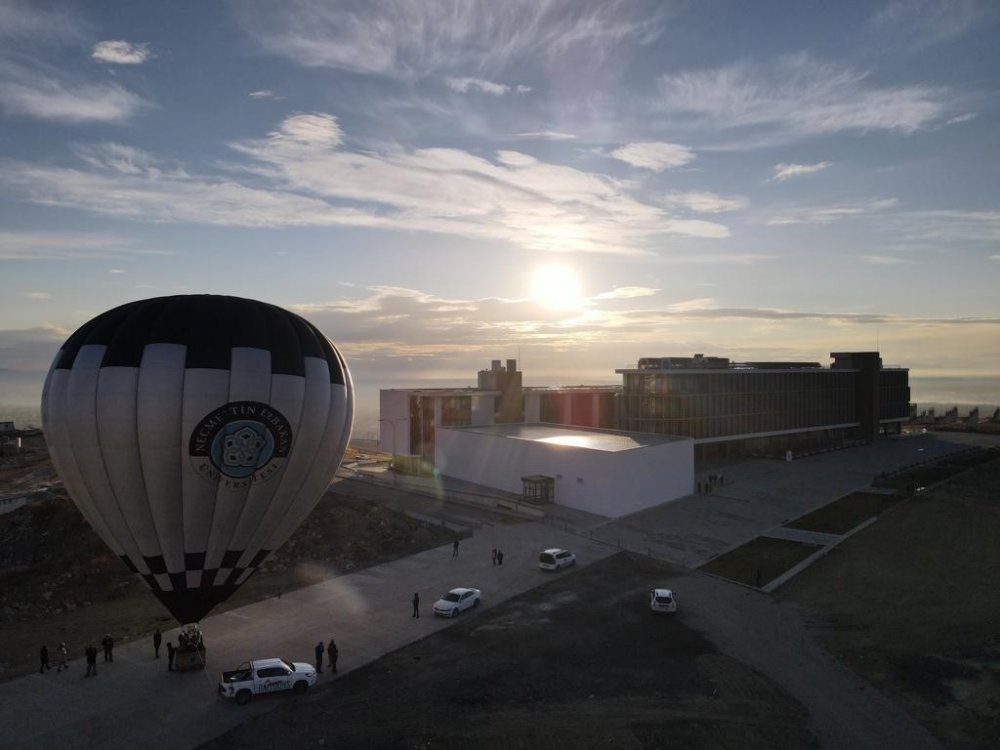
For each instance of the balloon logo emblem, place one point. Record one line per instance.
(240, 443)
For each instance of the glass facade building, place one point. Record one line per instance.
(764, 406)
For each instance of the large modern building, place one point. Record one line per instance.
(765, 407)
(721, 408)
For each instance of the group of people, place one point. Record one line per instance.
(497, 555)
(332, 652)
(90, 654)
(62, 658)
(171, 649)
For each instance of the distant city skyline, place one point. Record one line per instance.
(572, 183)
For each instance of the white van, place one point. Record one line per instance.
(555, 558)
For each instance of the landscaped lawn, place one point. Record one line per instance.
(844, 514)
(759, 561)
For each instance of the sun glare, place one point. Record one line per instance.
(557, 287)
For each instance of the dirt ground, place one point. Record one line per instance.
(579, 662)
(59, 582)
(911, 604)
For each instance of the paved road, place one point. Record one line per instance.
(136, 703)
(845, 712)
(761, 494)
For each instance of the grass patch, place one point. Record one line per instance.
(844, 514)
(759, 561)
(910, 481)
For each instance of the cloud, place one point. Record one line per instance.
(413, 38)
(38, 295)
(795, 96)
(546, 135)
(628, 292)
(47, 95)
(961, 118)
(316, 129)
(264, 94)
(715, 259)
(300, 176)
(30, 21)
(827, 214)
(120, 52)
(692, 305)
(381, 323)
(656, 156)
(46, 246)
(995, 257)
(944, 226)
(708, 312)
(516, 159)
(117, 157)
(465, 85)
(883, 260)
(786, 171)
(923, 23)
(30, 350)
(706, 202)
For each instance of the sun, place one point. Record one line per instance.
(557, 287)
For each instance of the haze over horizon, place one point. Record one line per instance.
(571, 183)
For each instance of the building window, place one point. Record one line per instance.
(456, 411)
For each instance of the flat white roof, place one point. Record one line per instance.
(444, 392)
(575, 437)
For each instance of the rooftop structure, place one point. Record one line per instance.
(608, 441)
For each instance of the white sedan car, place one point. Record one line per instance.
(457, 601)
(662, 600)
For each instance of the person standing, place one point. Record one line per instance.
(494, 555)
(109, 643)
(333, 652)
(319, 656)
(91, 652)
(157, 640)
(170, 656)
(63, 662)
(454, 548)
(499, 557)
(416, 605)
(43, 656)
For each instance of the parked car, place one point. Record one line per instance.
(266, 676)
(662, 600)
(555, 558)
(457, 601)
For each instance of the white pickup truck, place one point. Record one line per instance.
(266, 676)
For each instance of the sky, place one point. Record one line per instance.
(572, 183)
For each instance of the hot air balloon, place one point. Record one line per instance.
(195, 433)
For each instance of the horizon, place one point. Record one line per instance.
(571, 183)
(937, 393)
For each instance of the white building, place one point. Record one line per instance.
(608, 472)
